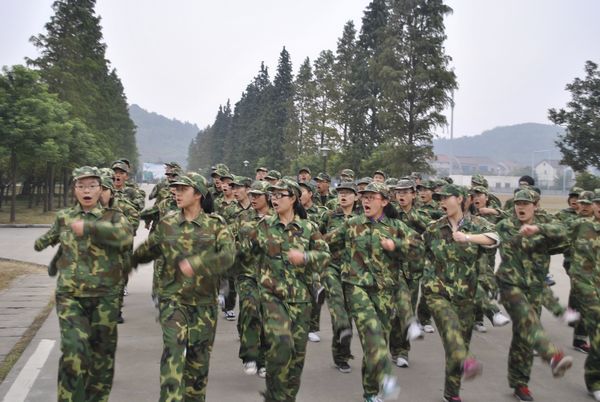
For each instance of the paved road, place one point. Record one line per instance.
(137, 367)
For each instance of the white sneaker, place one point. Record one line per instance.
(389, 389)
(570, 316)
(402, 362)
(479, 327)
(414, 331)
(500, 320)
(428, 328)
(262, 372)
(250, 368)
(314, 337)
(230, 315)
(596, 395)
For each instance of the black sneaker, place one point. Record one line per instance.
(343, 367)
(120, 319)
(522, 393)
(582, 347)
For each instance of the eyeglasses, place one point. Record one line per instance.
(371, 197)
(278, 196)
(170, 174)
(255, 195)
(90, 187)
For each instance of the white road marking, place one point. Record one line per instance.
(22, 385)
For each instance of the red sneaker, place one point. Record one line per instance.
(560, 364)
(471, 368)
(522, 393)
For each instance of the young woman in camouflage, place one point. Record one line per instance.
(585, 281)
(197, 247)
(290, 249)
(93, 242)
(376, 244)
(454, 246)
(527, 242)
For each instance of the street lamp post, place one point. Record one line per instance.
(246, 163)
(325, 151)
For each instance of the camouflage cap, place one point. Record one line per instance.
(262, 169)
(480, 189)
(478, 180)
(526, 195)
(586, 197)
(347, 185)
(379, 188)
(85, 172)
(173, 165)
(259, 187)
(289, 185)
(450, 190)
(273, 175)
(323, 177)
(241, 181)
(405, 184)
(120, 165)
(391, 181)
(416, 175)
(427, 184)
(381, 172)
(222, 174)
(364, 180)
(192, 179)
(309, 185)
(596, 195)
(348, 173)
(126, 161)
(575, 191)
(447, 179)
(107, 178)
(304, 169)
(440, 183)
(222, 166)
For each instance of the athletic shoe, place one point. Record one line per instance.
(560, 364)
(125, 292)
(373, 398)
(500, 320)
(595, 394)
(230, 315)
(471, 368)
(262, 372)
(389, 388)
(343, 367)
(522, 393)
(550, 280)
(250, 368)
(120, 319)
(480, 327)
(581, 346)
(402, 362)
(314, 337)
(571, 316)
(451, 399)
(221, 301)
(428, 328)
(414, 331)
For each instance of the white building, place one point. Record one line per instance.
(547, 172)
(497, 184)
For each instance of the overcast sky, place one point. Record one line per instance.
(183, 58)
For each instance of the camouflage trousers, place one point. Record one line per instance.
(286, 332)
(404, 298)
(188, 337)
(371, 310)
(589, 302)
(250, 328)
(524, 308)
(340, 315)
(551, 303)
(484, 306)
(423, 310)
(454, 320)
(88, 341)
(228, 283)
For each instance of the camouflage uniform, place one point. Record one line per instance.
(285, 296)
(585, 280)
(87, 297)
(371, 277)
(315, 213)
(450, 285)
(521, 275)
(188, 306)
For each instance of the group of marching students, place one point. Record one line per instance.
(387, 255)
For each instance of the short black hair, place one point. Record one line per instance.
(528, 179)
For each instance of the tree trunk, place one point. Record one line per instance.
(50, 187)
(31, 194)
(13, 176)
(65, 186)
(45, 194)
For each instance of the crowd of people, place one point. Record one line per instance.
(390, 257)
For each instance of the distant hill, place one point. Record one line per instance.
(514, 143)
(160, 139)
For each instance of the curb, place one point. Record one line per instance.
(24, 225)
(22, 262)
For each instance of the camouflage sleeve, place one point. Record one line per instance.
(50, 238)
(487, 229)
(218, 260)
(336, 239)
(154, 191)
(409, 245)
(584, 264)
(148, 250)
(556, 232)
(318, 256)
(116, 233)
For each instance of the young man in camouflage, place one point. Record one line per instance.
(454, 245)
(376, 244)
(136, 196)
(290, 249)
(197, 247)
(585, 280)
(93, 242)
(525, 250)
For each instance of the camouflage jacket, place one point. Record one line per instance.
(525, 260)
(271, 242)
(227, 210)
(134, 195)
(322, 200)
(159, 210)
(453, 267)
(247, 263)
(205, 242)
(585, 261)
(416, 219)
(432, 209)
(160, 191)
(368, 264)
(315, 213)
(330, 221)
(566, 214)
(90, 265)
(129, 210)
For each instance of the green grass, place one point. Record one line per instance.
(24, 214)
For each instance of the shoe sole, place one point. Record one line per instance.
(345, 371)
(562, 367)
(581, 350)
(522, 400)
